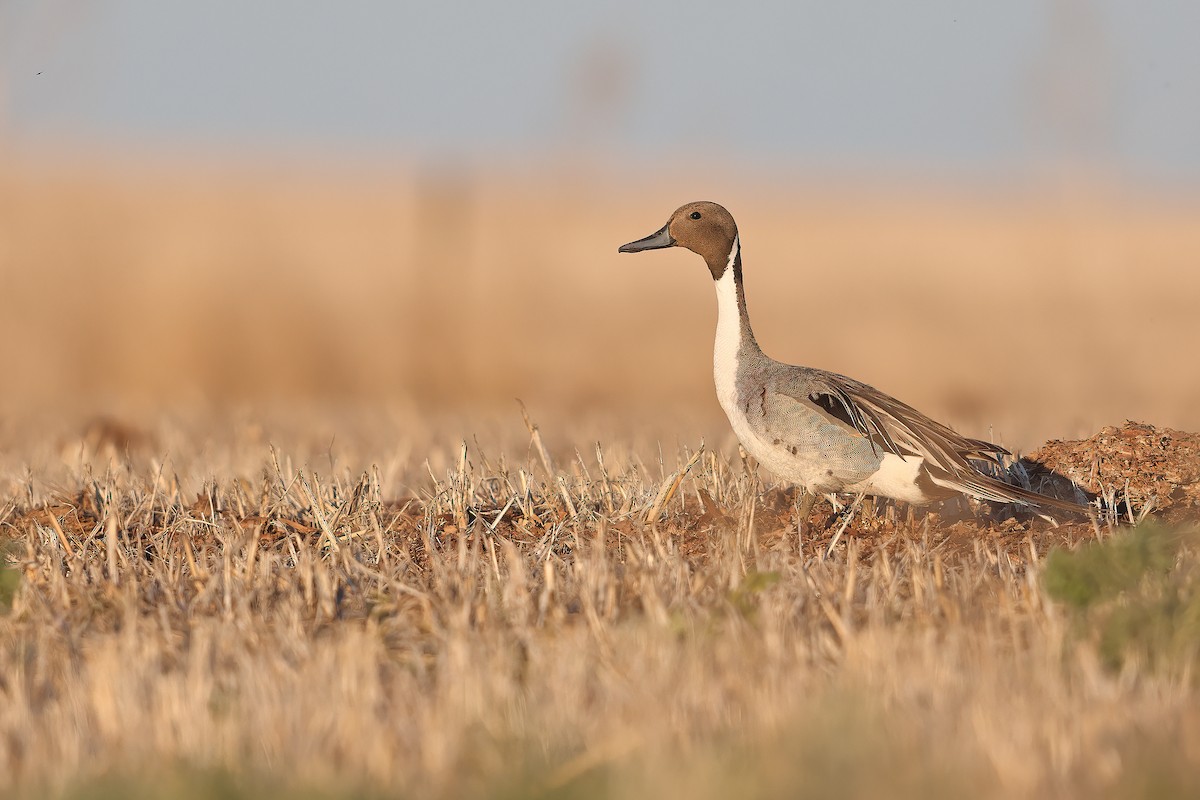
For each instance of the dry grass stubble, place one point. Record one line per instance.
(497, 629)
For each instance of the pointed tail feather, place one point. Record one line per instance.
(985, 487)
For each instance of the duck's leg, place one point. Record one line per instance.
(805, 501)
(808, 499)
(804, 506)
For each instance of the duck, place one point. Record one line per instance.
(826, 433)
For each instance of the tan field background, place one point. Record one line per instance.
(272, 523)
(1023, 314)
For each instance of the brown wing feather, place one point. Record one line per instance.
(897, 426)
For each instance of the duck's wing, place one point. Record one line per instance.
(896, 427)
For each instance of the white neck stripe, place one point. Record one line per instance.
(729, 335)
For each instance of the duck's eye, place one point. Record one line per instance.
(695, 215)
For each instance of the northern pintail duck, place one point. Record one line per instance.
(819, 430)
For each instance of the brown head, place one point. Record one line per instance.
(704, 228)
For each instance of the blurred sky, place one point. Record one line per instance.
(938, 85)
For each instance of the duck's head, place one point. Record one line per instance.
(705, 228)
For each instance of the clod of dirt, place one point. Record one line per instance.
(1138, 461)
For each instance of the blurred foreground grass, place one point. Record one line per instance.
(1136, 595)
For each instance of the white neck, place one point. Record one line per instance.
(729, 335)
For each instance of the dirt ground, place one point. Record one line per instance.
(1144, 472)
